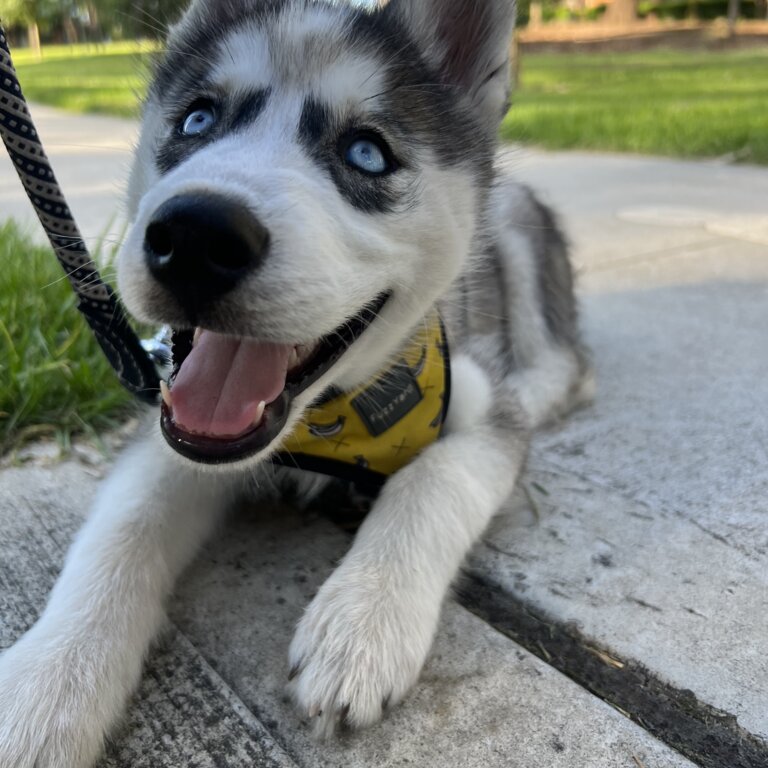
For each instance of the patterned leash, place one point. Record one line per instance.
(96, 300)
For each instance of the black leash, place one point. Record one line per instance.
(96, 299)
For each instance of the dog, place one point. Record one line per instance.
(317, 210)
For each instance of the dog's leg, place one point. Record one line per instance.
(66, 682)
(363, 641)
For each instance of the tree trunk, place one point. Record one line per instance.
(734, 6)
(621, 13)
(33, 33)
(70, 30)
(95, 21)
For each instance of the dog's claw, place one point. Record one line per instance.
(385, 702)
(295, 672)
(344, 715)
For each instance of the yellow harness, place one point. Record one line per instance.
(367, 435)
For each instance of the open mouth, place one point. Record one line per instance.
(229, 398)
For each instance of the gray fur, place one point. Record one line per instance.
(484, 292)
(468, 43)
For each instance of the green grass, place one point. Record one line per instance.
(682, 104)
(54, 380)
(106, 79)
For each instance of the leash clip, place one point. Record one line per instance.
(159, 349)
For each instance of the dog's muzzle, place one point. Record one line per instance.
(228, 398)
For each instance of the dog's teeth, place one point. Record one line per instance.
(293, 360)
(259, 414)
(166, 393)
(198, 334)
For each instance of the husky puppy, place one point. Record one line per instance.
(313, 180)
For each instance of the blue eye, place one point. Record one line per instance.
(367, 155)
(199, 121)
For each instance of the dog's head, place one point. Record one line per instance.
(309, 173)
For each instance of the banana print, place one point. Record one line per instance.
(330, 430)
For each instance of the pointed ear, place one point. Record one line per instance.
(469, 41)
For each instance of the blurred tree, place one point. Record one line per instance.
(733, 15)
(622, 12)
(136, 18)
(97, 19)
(30, 13)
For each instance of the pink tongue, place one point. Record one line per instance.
(223, 382)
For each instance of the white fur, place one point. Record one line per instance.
(248, 64)
(471, 395)
(544, 389)
(66, 682)
(257, 61)
(362, 642)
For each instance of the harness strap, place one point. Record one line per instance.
(367, 435)
(96, 299)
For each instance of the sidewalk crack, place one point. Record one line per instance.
(709, 737)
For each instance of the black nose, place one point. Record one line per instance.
(201, 245)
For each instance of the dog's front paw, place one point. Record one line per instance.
(47, 715)
(360, 646)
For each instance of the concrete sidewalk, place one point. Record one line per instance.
(614, 615)
(91, 158)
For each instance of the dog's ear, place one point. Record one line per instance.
(469, 41)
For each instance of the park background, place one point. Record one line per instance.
(674, 77)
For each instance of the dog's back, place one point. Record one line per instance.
(514, 311)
